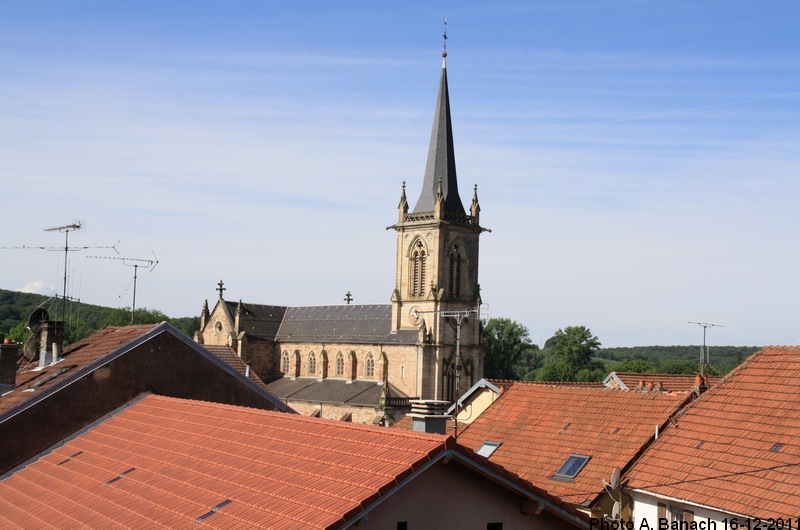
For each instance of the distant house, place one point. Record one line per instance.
(568, 439)
(167, 462)
(659, 382)
(45, 401)
(735, 452)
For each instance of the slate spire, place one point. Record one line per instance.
(441, 157)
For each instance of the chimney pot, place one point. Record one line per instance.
(9, 355)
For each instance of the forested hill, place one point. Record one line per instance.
(722, 356)
(82, 319)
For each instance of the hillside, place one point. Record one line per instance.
(82, 319)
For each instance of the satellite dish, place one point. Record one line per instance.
(614, 483)
(37, 317)
(615, 511)
(31, 348)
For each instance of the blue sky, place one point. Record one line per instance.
(636, 161)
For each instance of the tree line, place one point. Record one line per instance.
(574, 354)
(81, 320)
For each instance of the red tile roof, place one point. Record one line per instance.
(541, 425)
(669, 382)
(226, 354)
(77, 355)
(167, 462)
(723, 452)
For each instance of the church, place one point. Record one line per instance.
(363, 363)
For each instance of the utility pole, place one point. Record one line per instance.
(703, 349)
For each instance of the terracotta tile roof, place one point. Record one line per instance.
(167, 462)
(723, 452)
(541, 425)
(669, 382)
(75, 356)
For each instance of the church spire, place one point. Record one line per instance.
(441, 155)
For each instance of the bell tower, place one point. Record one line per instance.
(437, 267)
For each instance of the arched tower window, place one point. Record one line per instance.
(339, 365)
(454, 277)
(285, 362)
(369, 366)
(312, 363)
(418, 259)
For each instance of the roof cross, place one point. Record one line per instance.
(221, 288)
(348, 298)
(444, 47)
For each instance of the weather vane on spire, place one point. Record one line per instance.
(444, 50)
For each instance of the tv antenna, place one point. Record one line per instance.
(133, 262)
(459, 315)
(703, 348)
(65, 229)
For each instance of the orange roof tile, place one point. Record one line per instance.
(168, 462)
(541, 425)
(226, 353)
(76, 355)
(669, 382)
(724, 453)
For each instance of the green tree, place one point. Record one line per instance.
(19, 333)
(575, 345)
(122, 317)
(509, 352)
(638, 366)
(556, 371)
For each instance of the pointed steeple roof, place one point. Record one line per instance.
(441, 165)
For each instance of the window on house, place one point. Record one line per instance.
(340, 364)
(285, 362)
(402, 372)
(297, 363)
(494, 526)
(403, 525)
(369, 366)
(312, 363)
(488, 448)
(571, 467)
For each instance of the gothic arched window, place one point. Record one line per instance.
(285, 362)
(339, 365)
(369, 366)
(418, 258)
(312, 363)
(454, 278)
(297, 363)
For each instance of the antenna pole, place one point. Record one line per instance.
(703, 348)
(128, 263)
(66, 229)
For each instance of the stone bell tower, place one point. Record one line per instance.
(437, 267)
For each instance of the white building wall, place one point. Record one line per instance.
(645, 514)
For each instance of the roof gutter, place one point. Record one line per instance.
(687, 502)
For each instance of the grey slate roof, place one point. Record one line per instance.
(441, 158)
(368, 324)
(311, 389)
(259, 321)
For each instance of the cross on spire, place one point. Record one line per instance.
(348, 298)
(221, 288)
(444, 47)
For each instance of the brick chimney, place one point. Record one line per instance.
(9, 355)
(51, 334)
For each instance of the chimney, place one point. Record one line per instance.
(51, 333)
(428, 415)
(9, 355)
(701, 383)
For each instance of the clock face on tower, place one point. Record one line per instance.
(415, 316)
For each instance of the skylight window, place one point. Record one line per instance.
(777, 447)
(571, 467)
(488, 448)
(213, 510)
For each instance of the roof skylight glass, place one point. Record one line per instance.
(572, 466)
(488, 449)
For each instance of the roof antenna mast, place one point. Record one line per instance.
(703, 348)
(129, 262)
